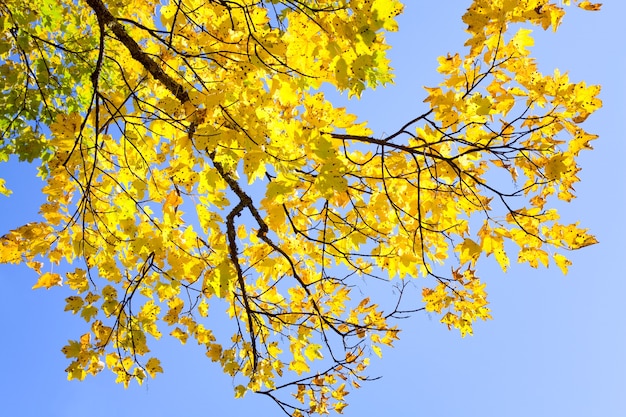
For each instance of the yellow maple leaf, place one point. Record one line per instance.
(72, 349)
(74, 303)
(340, 406)
(48, 280)
(75, 371)
(584, 240)
(562, 262)
(172, 200)
(522, 40)
(312, 352)
(469, 251)
(214, 352)
(299, 367)
(77, 280)
(556, 167)
(240, 391)
(153, 366)
(587, 5)
(3, 190)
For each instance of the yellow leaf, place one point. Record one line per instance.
(173, 200)
(482, 104)
(562, 262)
(203, 308)
(533, 257)
(153, 366)
(450, 320)
(73, 303)
(139, 375)
(88, 312)
(492, 242)
(48, 280)
(214, 352)
(85, 339)
(340, 392)
(3, 190)
(299, 367)
(522, 40)
(469, 251)
(112, 360)
(75, 371)
(254, 165)
(180, 335)
(587, 5)
(340, 406)
(77, 280)
(240, 391)
(584, 240)
(377, 350)
(312, 352)
(556, 167)
(386, 11)
(72, 349)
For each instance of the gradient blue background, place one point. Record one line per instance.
(556, 346)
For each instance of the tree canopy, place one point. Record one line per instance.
(192, 163)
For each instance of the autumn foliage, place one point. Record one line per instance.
(192, 165)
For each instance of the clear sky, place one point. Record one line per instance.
(556, 346)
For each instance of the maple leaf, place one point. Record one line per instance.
(587, 5)
(470, 251)
(153, 366)
(3, 190)
(312, 352)
(48, 280)
(522, 40)
(74, 303)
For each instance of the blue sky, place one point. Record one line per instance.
(556, 346)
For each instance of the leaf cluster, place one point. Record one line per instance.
(191, 162)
